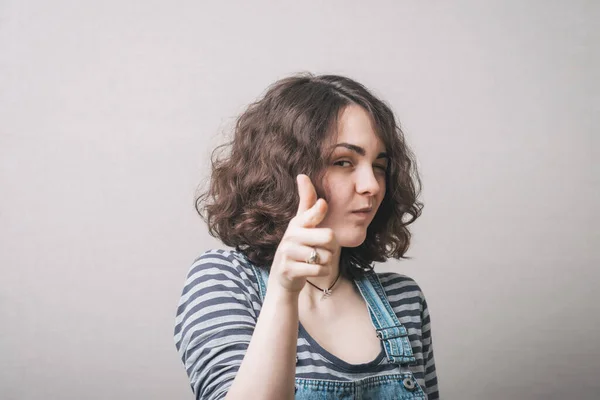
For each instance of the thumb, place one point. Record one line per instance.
(307, 193)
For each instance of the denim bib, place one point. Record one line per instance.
(394, 338)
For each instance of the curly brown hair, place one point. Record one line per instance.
(290, 130)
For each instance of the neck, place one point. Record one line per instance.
(311, 299)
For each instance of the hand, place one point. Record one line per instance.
(289, 269)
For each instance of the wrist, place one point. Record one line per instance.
(281, 295)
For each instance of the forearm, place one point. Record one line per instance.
(269, 366)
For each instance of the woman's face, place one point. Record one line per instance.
(355, 177)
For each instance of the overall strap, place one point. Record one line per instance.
(389, 329)
(262, 277)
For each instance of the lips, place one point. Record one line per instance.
(361, 215)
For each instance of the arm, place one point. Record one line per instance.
(225, 350)
(431, 383)
(239, 355)
(214, 324)
(269, 367)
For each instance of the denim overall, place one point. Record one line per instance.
(394, 337)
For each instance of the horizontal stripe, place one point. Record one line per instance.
(217, 312)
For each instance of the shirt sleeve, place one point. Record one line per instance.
(214, 323)
(431, 382)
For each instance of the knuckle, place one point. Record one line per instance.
(329, 235)
(287, 272)
(295, 221)
(290, 235)
(285, 247)
(315, 269)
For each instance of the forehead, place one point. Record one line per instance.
(355, 126)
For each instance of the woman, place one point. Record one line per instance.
(318, 185)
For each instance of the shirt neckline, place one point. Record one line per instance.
(336, 360)
(302, 332)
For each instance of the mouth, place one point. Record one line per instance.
(366, 210)
(362, 214)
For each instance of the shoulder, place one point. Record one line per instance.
(223, 265)
(408, 302)
(216, 315)
(220, 274)
(401, 290)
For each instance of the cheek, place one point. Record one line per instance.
(339, 194)
(331, 190)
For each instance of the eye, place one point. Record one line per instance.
(341, 161)
(381, 167)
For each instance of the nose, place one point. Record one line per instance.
(368, 182)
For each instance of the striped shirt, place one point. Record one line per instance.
(218, 310)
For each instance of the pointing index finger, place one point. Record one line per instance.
(306, 192)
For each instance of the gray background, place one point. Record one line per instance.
(108, 112)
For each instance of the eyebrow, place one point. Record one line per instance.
(360, 150)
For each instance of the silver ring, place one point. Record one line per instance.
(314, 257)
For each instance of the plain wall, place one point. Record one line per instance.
(109, 111)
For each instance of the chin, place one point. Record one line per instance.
(349, 240)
